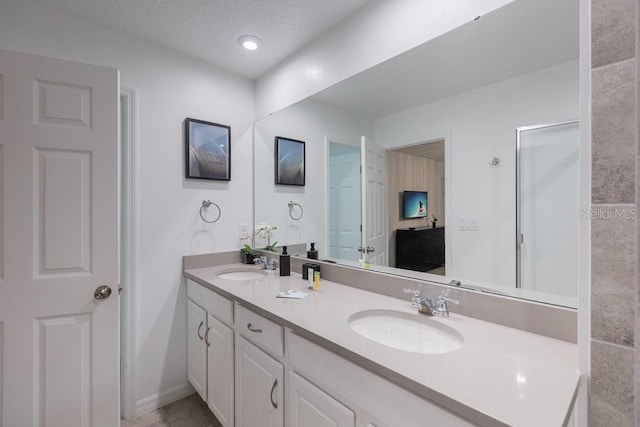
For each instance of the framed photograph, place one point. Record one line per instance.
(208, 150)
(289, 161)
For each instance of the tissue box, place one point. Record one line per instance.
(306, 267)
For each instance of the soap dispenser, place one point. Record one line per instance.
(313, 252)
(285, 263)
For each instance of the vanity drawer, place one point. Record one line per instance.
(376, 401)
(214, 303)
(261, 331)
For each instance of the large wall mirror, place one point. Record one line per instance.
(456, 161)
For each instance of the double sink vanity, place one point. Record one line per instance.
(345, 356)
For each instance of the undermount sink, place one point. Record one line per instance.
(241, 274)
(405, 331)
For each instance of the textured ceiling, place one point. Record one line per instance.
(428, 150)
(209, 29)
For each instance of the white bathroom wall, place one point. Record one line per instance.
(169, 87)
(308, 121)
(357, 43)
(482, 124)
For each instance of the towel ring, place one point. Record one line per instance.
(205, 205)
(291, 206)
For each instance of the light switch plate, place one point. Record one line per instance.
(469, 224)
(244, 231)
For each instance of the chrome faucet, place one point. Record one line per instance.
(266, 264)
(272, 264)
(426, 305)
(261, 261)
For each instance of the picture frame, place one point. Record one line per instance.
(290, 161)
(207, 150)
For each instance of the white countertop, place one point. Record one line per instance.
(500, 375)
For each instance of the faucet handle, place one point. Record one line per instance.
(441, 305)
(444, 300)
(262, 261)
(417, 298)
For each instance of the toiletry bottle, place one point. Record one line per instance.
(316, 281)
(310, 272)
(313, 252)
(285, 263)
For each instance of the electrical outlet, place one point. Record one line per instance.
(244, 233)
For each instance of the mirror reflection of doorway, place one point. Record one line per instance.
(344, 201)
(414, 243)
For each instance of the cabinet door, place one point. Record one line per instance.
(308, 406)
(197, 348)
(220, 370)
(259, 387)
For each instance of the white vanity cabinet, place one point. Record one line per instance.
(210, 364)
(259, 370)
(220, 384)
(308, 406)
(259, 387)
(197, 348)
(375, 401)
(259, 360)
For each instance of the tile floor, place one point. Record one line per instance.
(188, 412)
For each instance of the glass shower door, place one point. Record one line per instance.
(548, 208)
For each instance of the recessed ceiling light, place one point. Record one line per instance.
(250, 42)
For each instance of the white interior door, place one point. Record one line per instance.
(374, 204)
(59, 205)
(344, 202)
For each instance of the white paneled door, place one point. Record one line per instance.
(374, 202)
(345, 236)
(58, 243)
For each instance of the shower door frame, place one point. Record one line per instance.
(519, 236)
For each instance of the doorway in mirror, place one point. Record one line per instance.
(417, 243)
(344, 201)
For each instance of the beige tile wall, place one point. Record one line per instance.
(614, 226)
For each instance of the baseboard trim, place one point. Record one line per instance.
(158, 400)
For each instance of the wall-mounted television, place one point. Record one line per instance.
(414, 204)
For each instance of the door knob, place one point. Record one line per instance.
(102, 292)
(370, 249)
(360, 249)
